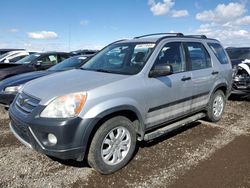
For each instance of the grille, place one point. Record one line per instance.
(26, 103)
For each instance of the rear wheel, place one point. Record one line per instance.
(113, 145)
(216, 106)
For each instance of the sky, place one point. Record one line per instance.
(66, 25)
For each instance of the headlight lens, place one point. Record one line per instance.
(13, 89)
(65, 106)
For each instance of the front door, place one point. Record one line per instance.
(169, 97)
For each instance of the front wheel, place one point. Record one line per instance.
(113, 145)
(216, 106)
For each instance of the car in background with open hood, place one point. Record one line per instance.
(240, 58)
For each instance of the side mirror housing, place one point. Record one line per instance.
(38, 63)
(161, 70)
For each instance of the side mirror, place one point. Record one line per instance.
(161, 70)
(38, 63)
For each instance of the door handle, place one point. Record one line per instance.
(215, 72)
(184, 78)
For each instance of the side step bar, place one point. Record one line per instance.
(170, 127)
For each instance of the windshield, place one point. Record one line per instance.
(28, 59)
(122, 58)
(69, 63)
(239, 53)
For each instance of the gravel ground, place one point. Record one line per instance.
(200, 155)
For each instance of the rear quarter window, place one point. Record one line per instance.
(219, 52)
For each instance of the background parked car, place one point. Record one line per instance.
(238, 54)
(3, 51)
(10, 86)
(34, 62)
(13, 56)
(240, 58)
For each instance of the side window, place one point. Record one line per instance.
(53, 59)
(199, 57)
(15, 59)
(172, 53)
(48, 60)
(62, 57)
(219, 52)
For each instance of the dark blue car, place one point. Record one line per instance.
(10, 86)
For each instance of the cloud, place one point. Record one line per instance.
(179, 13)
(160, 8)
(227, 23)
(42, 35)
(13, 30)
(243, 21)
(222, 13)
(84, 22)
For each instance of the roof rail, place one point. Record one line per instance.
(197, 36)
(154, 34)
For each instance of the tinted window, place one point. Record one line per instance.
(199, 56)
(62, 57)
(172, 53)
(28, 59)
(69, 63)
(48, 60)
(17, 58)
(219, 52)
(239, 53)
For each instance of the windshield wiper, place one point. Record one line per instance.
(102, 70)
(97, 70)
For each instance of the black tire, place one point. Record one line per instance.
(210, 116)
(95, 158)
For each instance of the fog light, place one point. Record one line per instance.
(52, 138)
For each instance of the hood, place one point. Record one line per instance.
(49, 87)
(245, 66)
(23, 78)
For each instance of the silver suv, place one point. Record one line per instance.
(132, 90)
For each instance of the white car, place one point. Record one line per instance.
(13, 56)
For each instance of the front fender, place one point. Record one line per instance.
(114, 105)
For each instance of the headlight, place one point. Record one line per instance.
(13, 89)
(65, 106)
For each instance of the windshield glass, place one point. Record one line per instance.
(28, 59)
(122, 58)
(239, 53)
(69, 63)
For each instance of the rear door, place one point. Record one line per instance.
(203, 74)
(169, 97)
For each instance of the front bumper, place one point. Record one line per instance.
(241, 85)
(72, 134)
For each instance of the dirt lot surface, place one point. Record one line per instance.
(201, 155)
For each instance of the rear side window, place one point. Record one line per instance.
(219, 52)
(199, 57)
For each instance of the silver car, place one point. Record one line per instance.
(130, 91)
